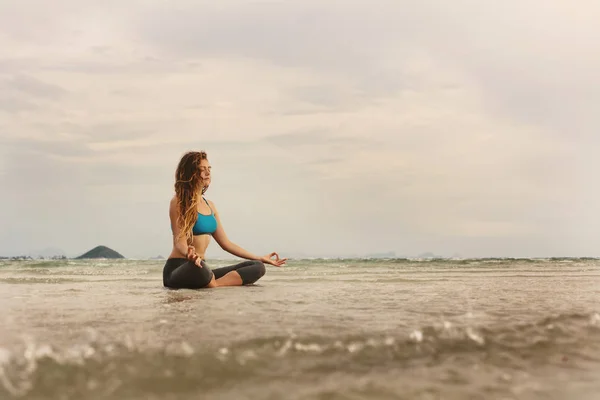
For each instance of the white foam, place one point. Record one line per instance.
(475, 336)
(5, 356)
(223, 353)
(354, 347)
(417, 336)
(186, 349)
(44, 351)
(311, 347)
(284, 349)
(247, 355)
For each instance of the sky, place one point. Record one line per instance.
(334, 128)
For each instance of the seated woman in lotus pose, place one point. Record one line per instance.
(194, 219)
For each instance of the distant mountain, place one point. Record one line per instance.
(100, 252)
(157, 258)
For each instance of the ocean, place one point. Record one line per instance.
(314, 329)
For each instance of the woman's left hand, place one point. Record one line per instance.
(268, 259)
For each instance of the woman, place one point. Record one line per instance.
(193, 221)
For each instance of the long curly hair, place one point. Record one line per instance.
(189, 187)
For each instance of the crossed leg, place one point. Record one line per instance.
(244, 273)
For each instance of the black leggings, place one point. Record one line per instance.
(181, 273)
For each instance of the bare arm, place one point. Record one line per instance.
(181, 245)
(221, 238)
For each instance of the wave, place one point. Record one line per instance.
(119, 367)
(447, 259)
(31, 280)
(113, 262)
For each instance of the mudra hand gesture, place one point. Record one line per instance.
(193, 256)
(268, 259)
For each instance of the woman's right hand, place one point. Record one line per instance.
(193, 256)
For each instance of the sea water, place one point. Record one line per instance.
(314, 329)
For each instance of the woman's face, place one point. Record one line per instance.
(205, 171)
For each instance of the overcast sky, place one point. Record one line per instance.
(333, 127)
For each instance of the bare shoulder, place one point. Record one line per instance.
(212, 205)
(173, 205)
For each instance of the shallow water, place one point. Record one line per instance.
(315, 329)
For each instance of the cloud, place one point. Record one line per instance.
(275, 32)
(15, 65)
(326, 98)
(33, 87)
(535, 64)
(317, 138)
(23, 93)
(397, 125)
(14, 104)
(529, 62)
(63, 149)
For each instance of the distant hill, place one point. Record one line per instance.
(100, 252)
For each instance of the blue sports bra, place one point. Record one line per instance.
(205, 224)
